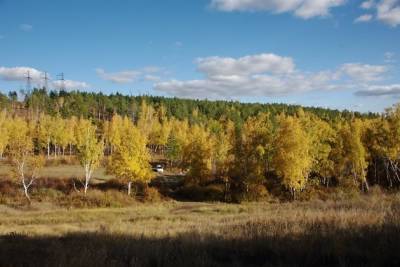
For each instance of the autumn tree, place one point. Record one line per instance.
(350, 155)
(321, 138)
(20, 150)
(292, 161)
(44, 132)
(197, 154)
(90, 149)
(69, 134)
(177, 140)
(4, 132)
(130, 160)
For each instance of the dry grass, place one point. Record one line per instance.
(362, 232)
(172, 218)
(60, 172)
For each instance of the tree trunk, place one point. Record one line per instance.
(26, 187)
(129, 188)
(88, 174)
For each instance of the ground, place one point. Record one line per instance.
(364, 230)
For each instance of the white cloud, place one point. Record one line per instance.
(254, 64)
(151, 69)
(266, 75)
(70, 85)
(364, 72)
(130, 76)
(25, 27)
(19, 74)
(151, 78)
(126, 76)
(380, 90)
(364, 18)
(388, 11)
(301, 8)
(236, 86)
(368, 4)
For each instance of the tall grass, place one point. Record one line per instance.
(365, 232)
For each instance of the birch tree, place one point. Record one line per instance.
(130, 160)
(292, 159)
(90, 149)
(20, 150)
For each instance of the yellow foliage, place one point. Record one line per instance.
(292, 159)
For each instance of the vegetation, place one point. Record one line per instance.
(251, 148)
(344, 233)
(293, 186)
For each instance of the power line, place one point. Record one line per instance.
(28, 81)
(46, 80)
(62, 81)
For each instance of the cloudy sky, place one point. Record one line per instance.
(341, 54)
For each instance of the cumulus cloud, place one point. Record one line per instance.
(70, 85)
(25, 27)
(250, 85)
(130, 76)
(364, 18)
(301, 8)
(126, 76)
(380, 90)
(364, 72)
(19, 74)
(368, 4)
(388, 11)
(266, 75)
(255, 64)
(152, 78)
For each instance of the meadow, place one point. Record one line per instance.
(364, 231)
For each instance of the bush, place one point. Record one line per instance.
(253, 192)
(46, 194)
(201, 193)
(151, 194)
(96, 199)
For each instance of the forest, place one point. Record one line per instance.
(243, 184)
(246, 151)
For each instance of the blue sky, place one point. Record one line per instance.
(329, 53)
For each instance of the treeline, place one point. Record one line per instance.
(285, 151)
(98, 106)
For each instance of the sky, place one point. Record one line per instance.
(341, 54)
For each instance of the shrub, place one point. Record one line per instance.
(96, 199)
(151, 194)
(201, 193)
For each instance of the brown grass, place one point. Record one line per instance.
(361, 232)
(60, 171)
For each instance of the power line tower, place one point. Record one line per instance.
(28, 81)
(62, 81)
(45, 78)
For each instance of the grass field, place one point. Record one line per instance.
(116, 230)
(60, 171)
(362, 232)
